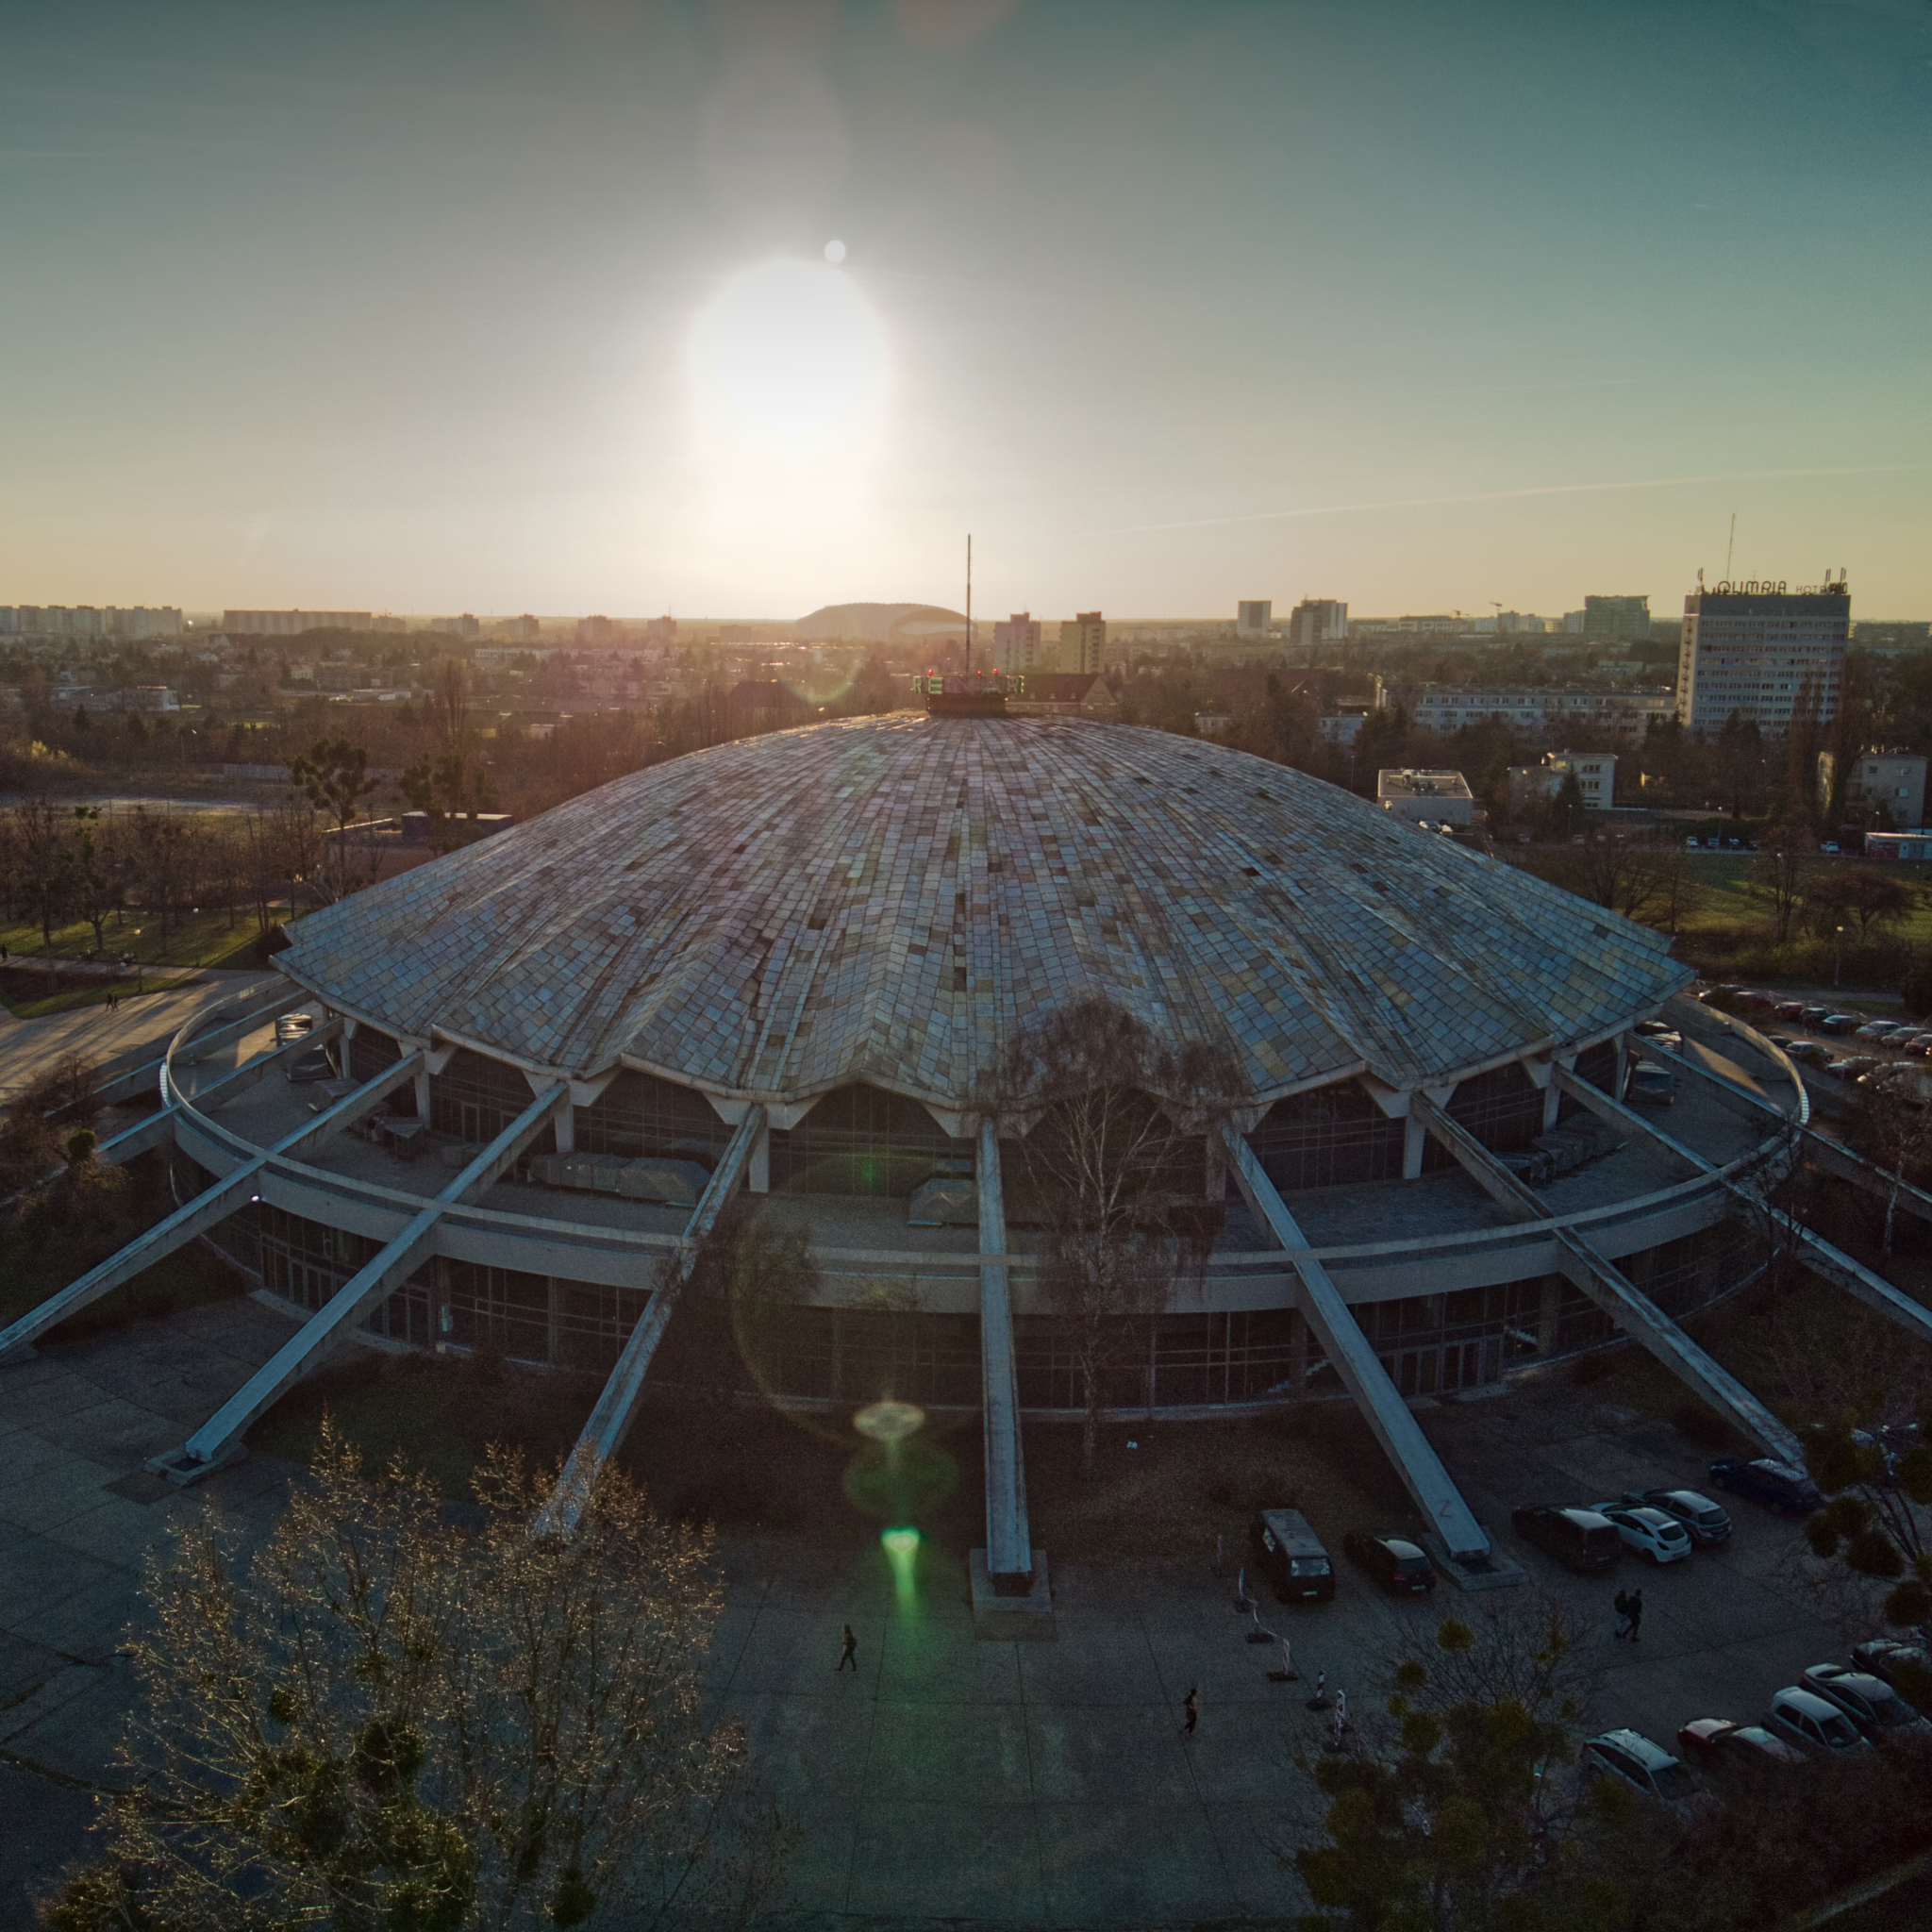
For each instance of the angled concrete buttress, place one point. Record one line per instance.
(1360, 1369)
(1818, 1254)
(609, 1421)
(1008, 1535)
(1616, 1294)
(218, 1441)
(214, 1204)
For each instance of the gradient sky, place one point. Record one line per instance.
(1423, 304)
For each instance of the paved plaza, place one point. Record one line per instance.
(1028, 1784)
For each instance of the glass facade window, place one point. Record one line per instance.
(1323, 1138)
(862, 1141)
(474, 1098)
(1502, 1108)
(640, 1114)
(371, 1054)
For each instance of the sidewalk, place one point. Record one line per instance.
(101, 1033)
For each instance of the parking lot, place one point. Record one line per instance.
(1008, 1783)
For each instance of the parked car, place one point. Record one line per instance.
(1869, 1702)
(1400, 1566)
(1754, 997)
(1907, 1667)
(1718, 1743)
(1640, 1764)
(1650, 1532)
(1879, 1029)
(307, 1068)
(1705, 1520)
(1776, 1485)
(1850, 1066)
(1783, 1041)
(1815, 1016)
(1789, 1009)
(1814, 1053)
(1813, 1723)
(1830, 845)
(1578, 1539)
(1297, 1562)
(1917, 1044)
(1840, 1022)
(290, 1027)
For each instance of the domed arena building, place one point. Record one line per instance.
(788, 967)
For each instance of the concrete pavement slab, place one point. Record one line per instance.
(981, 1859)
(1094, 1861)
(961, 1753)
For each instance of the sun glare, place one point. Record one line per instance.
(788, 352)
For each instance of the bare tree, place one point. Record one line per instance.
(1782, 873)
(335, 775)
(1114, 1165)
(385, 1720)
(40, 861)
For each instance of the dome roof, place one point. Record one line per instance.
(891, 899)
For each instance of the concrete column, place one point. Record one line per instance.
(565, 1126)
(553, 1341)
(422, 1084)
(1552, 1101)
(757, 1173)
(1298, 1350)
(1415, 1140)
(1548, 1314)
(1008, 1535)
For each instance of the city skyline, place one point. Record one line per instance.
(747, 309)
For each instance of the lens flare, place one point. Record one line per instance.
(901, 1545)
(789, 349)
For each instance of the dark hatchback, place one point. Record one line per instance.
(1578, 1539)
(1401, 1567)
(1776, 1485)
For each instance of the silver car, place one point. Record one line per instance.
(1879, 1713)
(1813, 1723)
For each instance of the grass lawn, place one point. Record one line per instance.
(198, 939)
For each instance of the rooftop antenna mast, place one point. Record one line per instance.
(969, 603)
(1730, 546)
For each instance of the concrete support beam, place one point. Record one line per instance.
(609, 1421)
(1008, 1534)
(210, 1207)
(757, 1175)
(1818, 1254)
(238, 1080)
(1838, 1161)
(1620, 1298)
(1362, 1373)
(218, 1441)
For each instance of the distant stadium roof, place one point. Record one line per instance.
(881, 623)
(891, 899)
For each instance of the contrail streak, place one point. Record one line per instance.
(1339, 510)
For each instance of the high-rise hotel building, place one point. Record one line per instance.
(1752, 649)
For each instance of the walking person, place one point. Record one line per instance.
(1340, 1717)
(1621, 1607)
(1636, 1615)
(849, 1655)
(1287, 1662)
(1190, 1703)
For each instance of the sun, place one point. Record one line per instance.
(786, 354)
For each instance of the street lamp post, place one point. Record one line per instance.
(1838, 957)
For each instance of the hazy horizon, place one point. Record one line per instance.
(527, 305)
